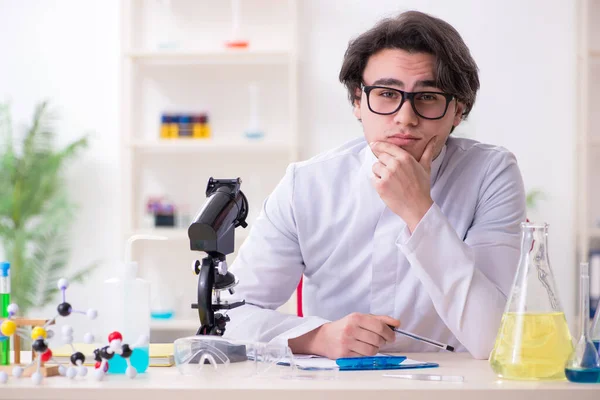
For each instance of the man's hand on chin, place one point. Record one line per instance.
(403, 183)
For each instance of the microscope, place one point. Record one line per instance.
(213, 232)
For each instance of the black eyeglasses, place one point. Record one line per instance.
(428, 105)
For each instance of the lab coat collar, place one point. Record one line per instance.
(369, 159)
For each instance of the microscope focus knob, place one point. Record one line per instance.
(222, 268)
(196, 267)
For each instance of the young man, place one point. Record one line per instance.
(407, 225)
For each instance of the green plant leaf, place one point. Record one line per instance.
(532, 198)
(35, 211)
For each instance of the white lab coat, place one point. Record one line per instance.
(449, 280)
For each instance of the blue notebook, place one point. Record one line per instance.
(379, 362)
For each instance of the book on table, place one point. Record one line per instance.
(161, 354)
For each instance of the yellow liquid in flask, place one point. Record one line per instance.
(532, 346)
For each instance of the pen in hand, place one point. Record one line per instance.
(423, 339)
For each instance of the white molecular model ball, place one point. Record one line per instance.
(13, 309)
(71, 372)
(91, 313)
(62, 370)
(67, 330)
(3, 377)
(99, 374)
(115, 345)
(17, 372)
(63, 284)
(36, 378)
(83, 370)
(131, 372)
(88, 338)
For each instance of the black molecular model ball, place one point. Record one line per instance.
(105, 354)
(97, 356)
(39, 346)
(64, 309)
(126, 351)
(78, 356)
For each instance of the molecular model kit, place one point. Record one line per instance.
(41, 333)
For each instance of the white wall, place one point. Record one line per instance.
(67, 50)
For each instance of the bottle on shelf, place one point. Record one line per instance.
(254, 129)
(185, 126)
(201, 129)
(236, 40)
(169, 126)
(165, 126)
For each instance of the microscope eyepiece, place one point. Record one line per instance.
(225, 209)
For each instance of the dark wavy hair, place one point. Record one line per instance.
(455, 71)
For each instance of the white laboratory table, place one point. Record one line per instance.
(169, 384)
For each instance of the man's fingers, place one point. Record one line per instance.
(427, 156)
(374, 324)
(379, 170)
(369, 337)
(348, 353)
(383, 147)
(387, 159)
(362, 348)
(388, 320)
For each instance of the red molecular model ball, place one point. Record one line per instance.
(98, 363)
(115, 336)
(47, 355)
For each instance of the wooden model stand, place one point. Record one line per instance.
(46, 371)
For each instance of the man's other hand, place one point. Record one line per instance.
(352, 336)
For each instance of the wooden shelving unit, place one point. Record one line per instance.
(174, 59)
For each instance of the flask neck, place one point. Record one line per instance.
(535, 241)
(535, 265)
(584, 303)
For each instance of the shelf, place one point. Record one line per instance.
(174, 324)
(208, 57)
(182, 233)
(208, 145)
(170, 233)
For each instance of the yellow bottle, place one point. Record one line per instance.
(174, 127)
(165, 130)
(532, 346)
(197, 127)
(205, 127)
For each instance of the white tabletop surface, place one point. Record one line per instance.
(170, 384)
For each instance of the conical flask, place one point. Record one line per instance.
(584, 364)
(533, 341)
